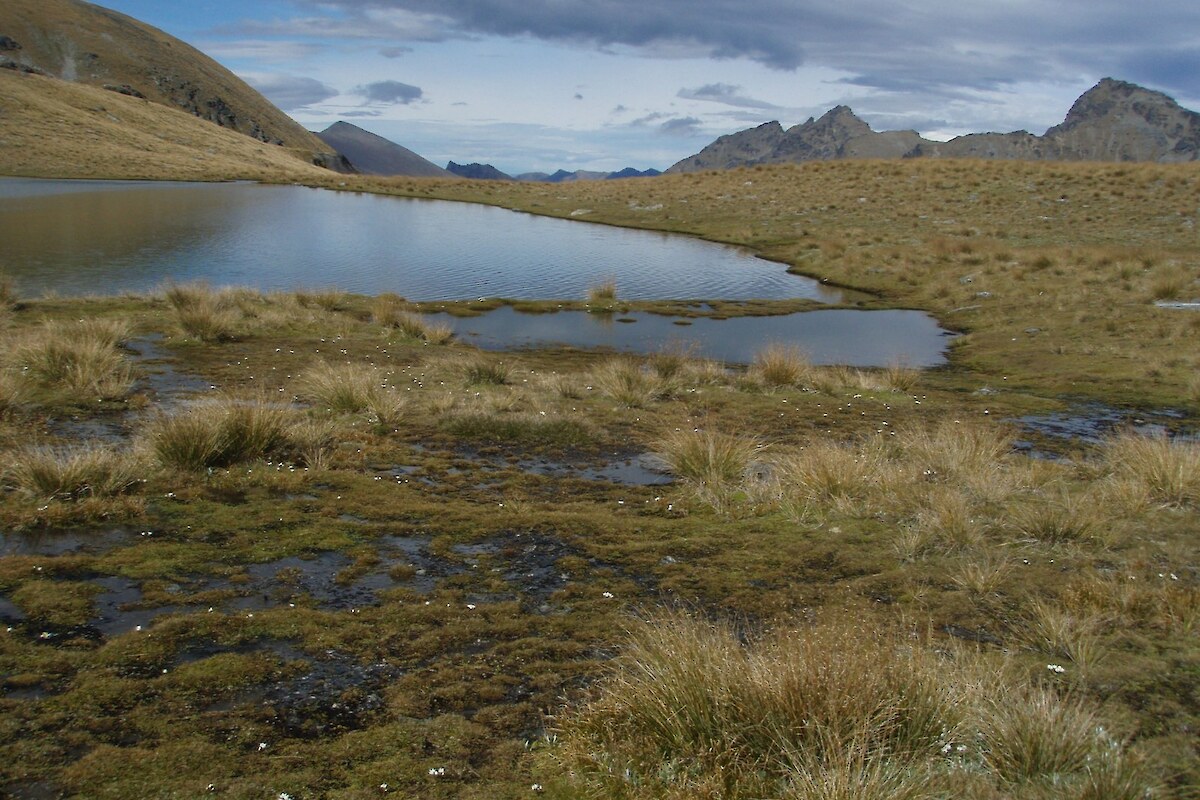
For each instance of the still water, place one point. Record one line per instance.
(81, 237)
(836, 336)
(99, 237)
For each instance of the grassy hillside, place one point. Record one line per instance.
(85, 43)
(54, 128)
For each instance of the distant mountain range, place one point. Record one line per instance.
(486, 172)
(1113, 121)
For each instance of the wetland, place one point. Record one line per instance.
(319, 543)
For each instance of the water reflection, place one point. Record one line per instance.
(856, 338)
(80, 237)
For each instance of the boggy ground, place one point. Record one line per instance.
(304, 545)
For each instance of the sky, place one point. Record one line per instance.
(539, 85)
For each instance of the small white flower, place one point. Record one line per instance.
(471, 606)
(262, 746)
(1057, 669)
(437, 772)
(537, 787)
(608, 595)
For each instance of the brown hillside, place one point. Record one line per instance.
(53, 128)
(84, 43)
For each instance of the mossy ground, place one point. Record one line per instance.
(410, 612)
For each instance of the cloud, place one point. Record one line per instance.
(680, 126)
(726, 94)
(261, 49)
(390, 93)
(885, 44)
(394, 52)
(290, 92)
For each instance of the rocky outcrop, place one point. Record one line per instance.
(1113, 121)
(477, 172)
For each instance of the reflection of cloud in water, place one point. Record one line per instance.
(856, 338)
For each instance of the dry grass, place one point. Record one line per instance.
(602, 295)
(78, 358)
(48, 473)
(833, 710)
(349, 389)
(1167, 471)
(202, 312)
(779, 365)
(218, 433)
(630, 383)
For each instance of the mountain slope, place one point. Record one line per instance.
(50, 128)
(477, 172)
(79, 42)
(376, 155)
(1113, 121)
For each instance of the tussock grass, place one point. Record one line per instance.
(602, 295)
(218, 433)
(842, 476)
(311, 442)
(81, 358)
(344, 388)
(971, 454)
(628, 382)
(716, 466)
(1062, 632)
(1167, 471)
(778, 365)
(203, 312)
(74, 473)
(14, 392)
(393, 311)
(323, 299)
(482, 371)
(830, 710)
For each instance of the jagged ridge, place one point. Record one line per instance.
(1113, 121)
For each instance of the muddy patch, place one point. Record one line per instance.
(158, 375)
(1093, 423)
(61, 541)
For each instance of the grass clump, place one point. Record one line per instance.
(629, 383)
(715, 465)
(351, 389)
(831, 710)
(218, 433)
(602, 296)
(480, 371)
(778, 365)
(203, 312)
(55, 473)
(1167, 470)
(80, 358)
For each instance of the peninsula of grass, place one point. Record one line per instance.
(317, 548)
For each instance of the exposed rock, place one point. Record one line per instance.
(1113, 121)
(125, 89)
(8, 43)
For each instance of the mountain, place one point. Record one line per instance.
(1113, 121)
(478, 172)
(630, 172)
(562, 176)
(376, 155)
(82, 43)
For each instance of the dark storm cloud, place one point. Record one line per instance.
(291, 92)
(886, 44)
(390, 93)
